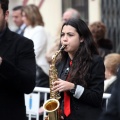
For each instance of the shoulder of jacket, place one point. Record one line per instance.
(97, 58)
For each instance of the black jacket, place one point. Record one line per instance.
(113, 108)
(17, 74)
(105, 46)
(88, 106)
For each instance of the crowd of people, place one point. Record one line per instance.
(87, 67)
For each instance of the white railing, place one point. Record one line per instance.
(32, 102)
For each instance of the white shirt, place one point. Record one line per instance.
(108, 82)
(39, 37)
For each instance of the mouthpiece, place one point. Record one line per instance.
(63, 47)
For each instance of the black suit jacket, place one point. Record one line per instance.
(88, 106)
(113, 108)
(17, 74)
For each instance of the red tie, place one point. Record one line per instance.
(67, 100)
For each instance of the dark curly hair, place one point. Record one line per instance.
(83, 57)
(4, 5)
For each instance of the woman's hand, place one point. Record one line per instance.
(41, 110)
(61, 85)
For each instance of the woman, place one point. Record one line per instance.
(85, 83)
(98, 30)
(36, 32)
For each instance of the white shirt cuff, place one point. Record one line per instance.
(79, 91)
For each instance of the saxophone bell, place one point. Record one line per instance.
(51, 105)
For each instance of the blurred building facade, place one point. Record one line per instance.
(106, 11)
(110, 15)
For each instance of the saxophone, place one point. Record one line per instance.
(52, 105)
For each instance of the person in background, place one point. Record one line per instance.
(17, 69)
(35, 31)
(112, 62)
(113, 108)
(68, 14)
(17, 19)
(98, 30)
(80, 73)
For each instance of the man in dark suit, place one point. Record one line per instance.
(113, 108)
(17, 19)
(17, 69)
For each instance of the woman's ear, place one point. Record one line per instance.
(81, 39)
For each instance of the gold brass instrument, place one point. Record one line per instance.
(52, 105)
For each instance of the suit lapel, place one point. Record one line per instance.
(61, 68)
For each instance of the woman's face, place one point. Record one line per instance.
(25, 20)
(71, 39)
